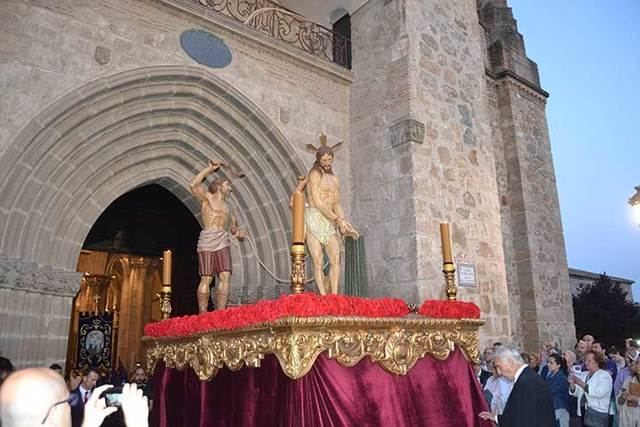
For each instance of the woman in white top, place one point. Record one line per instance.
(628, 403)
(594, 391)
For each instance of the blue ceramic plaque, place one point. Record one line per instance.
(205, 48)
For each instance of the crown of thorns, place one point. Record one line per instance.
(323, 145)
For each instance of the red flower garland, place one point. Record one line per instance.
(299, 305)
(440, 309)
(305, 305)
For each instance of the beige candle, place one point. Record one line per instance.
(445, 238)
(298, 218)
(166, 268)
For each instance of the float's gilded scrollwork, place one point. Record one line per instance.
(394, 343)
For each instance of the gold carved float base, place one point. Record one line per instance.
(394, 343)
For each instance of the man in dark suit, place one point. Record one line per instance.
(81, 395)
(530, 403)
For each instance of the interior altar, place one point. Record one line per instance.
(123, 286)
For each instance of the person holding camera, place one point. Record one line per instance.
(39, 396)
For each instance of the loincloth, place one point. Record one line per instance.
(214, 253)
(318, 225)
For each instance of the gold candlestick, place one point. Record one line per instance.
(298, 277)
(165, 292)
(449, 271)
(165, 302)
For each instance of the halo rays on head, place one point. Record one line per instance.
(323, 148)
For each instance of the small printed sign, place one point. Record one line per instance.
(466, 275)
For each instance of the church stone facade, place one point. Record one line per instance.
(442, 113)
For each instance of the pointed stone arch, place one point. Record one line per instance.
(149, 125)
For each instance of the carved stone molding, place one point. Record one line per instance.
(408, 130)
(27, 276)
(394, 343)
(524, 87)
(523, 90)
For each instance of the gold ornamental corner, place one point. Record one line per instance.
(396, 344)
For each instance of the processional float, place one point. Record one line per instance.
(319, 360)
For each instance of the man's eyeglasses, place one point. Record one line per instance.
(70, 400)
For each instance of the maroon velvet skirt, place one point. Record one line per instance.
(212, 263)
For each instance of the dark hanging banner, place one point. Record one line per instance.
(95, 336)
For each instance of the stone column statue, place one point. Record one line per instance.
(325, 222)
(220, 224)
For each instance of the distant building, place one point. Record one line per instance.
(580, 278)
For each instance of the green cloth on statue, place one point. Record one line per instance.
(355, 264)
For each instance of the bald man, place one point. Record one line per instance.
(27, 395)
(39, 396)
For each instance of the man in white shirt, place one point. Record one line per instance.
(498, 388)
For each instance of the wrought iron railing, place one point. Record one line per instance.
(283, 24)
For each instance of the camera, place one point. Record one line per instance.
(113, 396)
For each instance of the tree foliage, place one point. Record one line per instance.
(603, 310)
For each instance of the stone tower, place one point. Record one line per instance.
(537, 271)
(448, 124)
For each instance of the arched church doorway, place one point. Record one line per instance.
(153, 125)
(121, 263)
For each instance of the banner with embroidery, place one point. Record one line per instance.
(95, 339)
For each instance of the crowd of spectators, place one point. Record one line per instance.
(590, 385)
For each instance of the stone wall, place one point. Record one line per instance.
(49, 49)
(381, 130)
(420, 124)
(99, 99)
(35, 307)
(456, 179)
